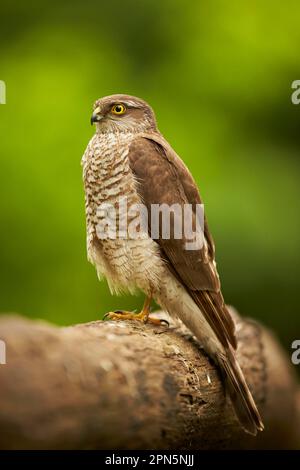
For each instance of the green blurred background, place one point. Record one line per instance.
(218, 75)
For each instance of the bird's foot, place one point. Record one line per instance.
(143, 316)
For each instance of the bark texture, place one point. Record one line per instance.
(126, 385)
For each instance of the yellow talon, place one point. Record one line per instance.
(143, 316)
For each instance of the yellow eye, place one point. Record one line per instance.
(118, 109)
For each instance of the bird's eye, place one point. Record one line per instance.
(118, 109)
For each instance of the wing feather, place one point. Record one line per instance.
(162, 178)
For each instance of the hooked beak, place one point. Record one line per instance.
(96, 116)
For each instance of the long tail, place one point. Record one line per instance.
(241, 398)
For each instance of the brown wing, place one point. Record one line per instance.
(162, 178)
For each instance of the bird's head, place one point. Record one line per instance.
(123, 113)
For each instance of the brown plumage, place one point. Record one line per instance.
(164, 178)
(184, 282)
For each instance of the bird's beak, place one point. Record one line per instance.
(96, 116)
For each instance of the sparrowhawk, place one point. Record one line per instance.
(129, 157)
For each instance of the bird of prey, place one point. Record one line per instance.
(128, 156)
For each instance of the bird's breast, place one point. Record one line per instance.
(110, 188)
(107, 174)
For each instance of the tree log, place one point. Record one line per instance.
(127, 385)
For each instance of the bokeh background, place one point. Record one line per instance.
(218, 75)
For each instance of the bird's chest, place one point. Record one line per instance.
(110, 189)
(106, 171)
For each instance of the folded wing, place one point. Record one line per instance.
(162, 178)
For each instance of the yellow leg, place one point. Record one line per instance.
(143, 316)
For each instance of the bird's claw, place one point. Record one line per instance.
(142, 316)
(163, 321)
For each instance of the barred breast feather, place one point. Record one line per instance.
(127, 264)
